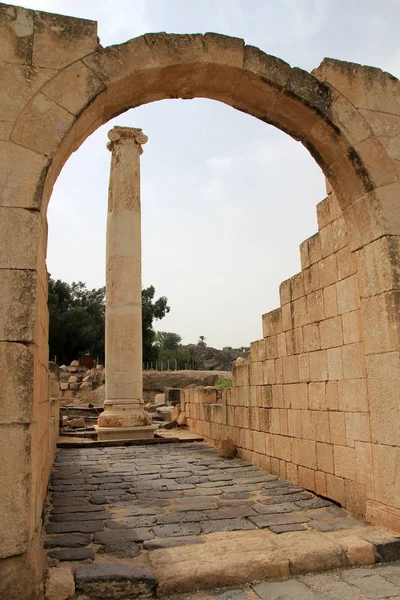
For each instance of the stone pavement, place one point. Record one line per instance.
(192, 517)
(373, 583)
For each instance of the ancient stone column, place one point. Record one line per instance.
(124, 416)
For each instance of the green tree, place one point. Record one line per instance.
(152, 310)
(202, 341)
(77, 320)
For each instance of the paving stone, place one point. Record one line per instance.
(283, 590)
(233, 594)
(235, 503)
(140, 477)
(193, 479)
(332, 511)
(173, 530)
(75, 526)
(230, 513)
(159, 543)
(182, 517)
(285, 498)
(314, 503)
(121, 549)
(118, 580)
(70, 494)
(202, 492)
(72, 554)
(67, 540)
(226, 525)
(158, 495)
(391, 573)
(175, 474)
(335, 524)
(372, 586)
(171, 485)
(216, 483)
(236, 495)
(270, 509)
(272, 520)
(79, 516)
(77, 508)
(235, 489)
(283, 491)
(287, 528)
(329, 587)
(98, 498)
(139, 534)
(131, 522)
(195, 506)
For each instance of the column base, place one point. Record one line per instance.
(144, 432)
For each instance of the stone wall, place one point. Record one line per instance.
(299, 406)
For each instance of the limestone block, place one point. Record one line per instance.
(377, 264)
(317, 395)
(332, 396)
(285, 292)
(268, 367)
(328, 271)
(311, 279)
(353, 395)
(74, 386)
(357, 428)
(307, 478)
(324, 213)
(330, 301)
(325, 457)
(315, 306)
(299, 312)
(304, 453)
(278, 370)
(337, 428)
(320, 483)
(381, 322)
(318, 365)
(283, 447)
(287, 316)
(374, 215)
(17, 305)
(314, 249)
(352, 330)
(61, 40)
(383, 396)
(353, 361)
(294, 341)
(335, 489)
(74, 88)
(311, 337)
(14, 491)
(304, 257)
(339, 234)
(19, 234)
(271, 347)
(85, 385)
(290, 369)
(60, 584)
(331, 332)
(72, 369)
(16, 390)
(297, 286)
(335, 363)
(295, 423)
(304, 367)
(348, 294)
(346, 263)
(344, 458)
(42, 125)
(281, 344)
(380, 168)
(72, 379)
(326, 238)
(259, 442)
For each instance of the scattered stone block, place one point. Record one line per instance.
(63, 386)
(227, 449)
(181, 420)
(75, 423)
(60, 584)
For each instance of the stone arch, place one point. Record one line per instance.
(63, 86)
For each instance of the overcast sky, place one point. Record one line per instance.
(226, 199)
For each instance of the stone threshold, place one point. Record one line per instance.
(233, 559)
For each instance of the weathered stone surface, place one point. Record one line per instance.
(60, 583)
(72, 554)
(160, 543)
(216, 525)
(128, 535)
(278, 519)
(178, 530)
(67, 540)
(114, 580)
(282, 590)
(75, 526)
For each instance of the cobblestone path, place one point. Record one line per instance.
(373, 583)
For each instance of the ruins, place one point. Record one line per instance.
(318, 403)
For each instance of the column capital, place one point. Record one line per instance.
(118, 133)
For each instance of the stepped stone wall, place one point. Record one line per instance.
(300, 405)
